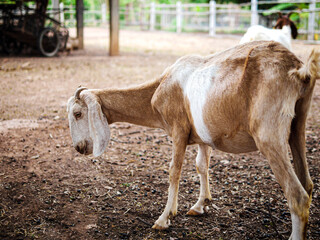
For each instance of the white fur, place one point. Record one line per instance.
(257, 32)
(202, 163)
(92, 129)
(195, 88)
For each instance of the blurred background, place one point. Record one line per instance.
(60, 23)
(212, 17)
(49, 191)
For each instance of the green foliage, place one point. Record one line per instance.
(7, 2)
(279, 7)
(88, 4)
(91, 4)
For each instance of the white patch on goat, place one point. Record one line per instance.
(195, 88)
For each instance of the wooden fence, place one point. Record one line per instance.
(212, 18)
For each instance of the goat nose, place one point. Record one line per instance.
(82, 147)
(78, 148)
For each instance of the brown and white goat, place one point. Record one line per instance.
(284, 20)
(254, 96)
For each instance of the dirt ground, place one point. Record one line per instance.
(49, 191)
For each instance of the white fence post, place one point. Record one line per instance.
(152, 15)
(179, 16)
(254, 12)
(61, 6)
(104, 12)
(212, 18)
(311, 20)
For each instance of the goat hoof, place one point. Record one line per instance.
(207, 201)
(160, 224)
(193, 213)
(158, 227)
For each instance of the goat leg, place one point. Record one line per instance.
(202, 164)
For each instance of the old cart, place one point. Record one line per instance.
(22, 24)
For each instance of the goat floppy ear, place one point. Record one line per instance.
(279, 24)
(279, 14)
(98, 125)
(294, 30)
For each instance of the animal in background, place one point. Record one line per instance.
(285, 29)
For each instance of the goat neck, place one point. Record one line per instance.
(132, 105)
(287, 31)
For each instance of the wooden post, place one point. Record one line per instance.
(79, 16)
(114, 27)
(152, 15)
(212, 19)
(311, 20)
(179, 17)
(254, 12)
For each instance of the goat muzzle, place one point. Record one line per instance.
(82, 148)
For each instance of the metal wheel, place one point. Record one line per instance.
(48, 42)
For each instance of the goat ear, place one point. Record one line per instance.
(294, 30)
(98, 127)
(289, 14)
(279, 24)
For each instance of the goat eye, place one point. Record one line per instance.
(77, 115)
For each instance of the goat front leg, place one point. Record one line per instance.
(202, 165)
(179, 148)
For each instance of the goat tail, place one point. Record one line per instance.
(313, 66)
(310, 71)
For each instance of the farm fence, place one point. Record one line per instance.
(211, 17)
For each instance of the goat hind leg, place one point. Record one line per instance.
(297, 144)
(297, 197)
(202, 164)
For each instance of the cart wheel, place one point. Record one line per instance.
(10, 45)
(49, 42)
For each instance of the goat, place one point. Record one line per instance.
(254, 96)
(284, 30)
